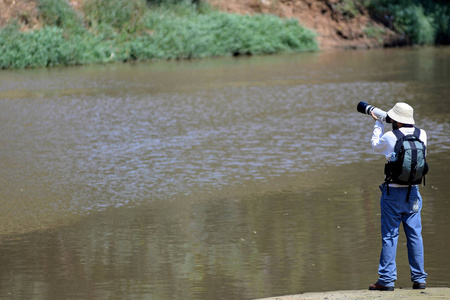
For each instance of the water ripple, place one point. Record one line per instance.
(119, 150)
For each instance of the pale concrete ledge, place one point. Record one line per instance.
(408, 294)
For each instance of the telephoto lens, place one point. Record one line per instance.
(366, 108)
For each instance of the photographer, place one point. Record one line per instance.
(400, 203)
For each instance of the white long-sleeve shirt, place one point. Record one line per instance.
(385, 143)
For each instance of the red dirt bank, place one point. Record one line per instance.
(334, 29)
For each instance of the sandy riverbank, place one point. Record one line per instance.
(410, 294)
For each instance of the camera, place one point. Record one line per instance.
(366, 108)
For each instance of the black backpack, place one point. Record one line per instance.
(408, 166)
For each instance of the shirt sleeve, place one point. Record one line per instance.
(423, 136)
(382, 143)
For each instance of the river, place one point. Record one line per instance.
(226, 178)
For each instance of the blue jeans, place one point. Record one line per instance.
(396, 209)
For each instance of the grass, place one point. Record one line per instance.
(59, 13)
(348, 8)
(138, 30)
(124, 30)
(372, 31)
(49, 47)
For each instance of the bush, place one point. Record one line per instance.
(159, 2)
(40, 48)
(123, 30)
(413, 22)
(421, 21)
(59, 13)
(49, 47)
(120, 15)
(216, 34)
(440, 13)
(348, 8)
(372, 31)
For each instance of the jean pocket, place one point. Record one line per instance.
(415, 205)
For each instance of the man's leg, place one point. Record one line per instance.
(412, 224)
(390, 223)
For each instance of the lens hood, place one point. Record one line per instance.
(362, 107)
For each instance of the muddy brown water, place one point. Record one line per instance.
(211, 179)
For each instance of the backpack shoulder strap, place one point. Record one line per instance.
(398, 133)
(417, 133)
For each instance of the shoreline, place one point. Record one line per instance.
(410, 294)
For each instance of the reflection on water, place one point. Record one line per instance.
(211, 179)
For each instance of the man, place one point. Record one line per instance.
(396, 209)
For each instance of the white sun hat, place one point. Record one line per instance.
(402, 113)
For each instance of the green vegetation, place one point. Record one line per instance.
(60, 14)
(372, 31)
(219, 34)
(419, 21)
(137, 30)
(115, 15)
(124, 30)
(348, 8)
(422, 22)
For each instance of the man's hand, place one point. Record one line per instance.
(373, 116)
